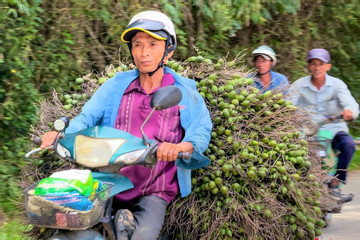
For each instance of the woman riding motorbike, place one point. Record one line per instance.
(123, 102)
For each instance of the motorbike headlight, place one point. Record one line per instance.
(129, 158)
(95, 152)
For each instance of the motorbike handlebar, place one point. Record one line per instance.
(311, 127)
(37, 141)
(184, 155)
(181, 155)
(331, 118)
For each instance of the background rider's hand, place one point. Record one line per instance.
(347, 115)
(48, 139)
(170, 151)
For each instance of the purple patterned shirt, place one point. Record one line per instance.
(163, 126)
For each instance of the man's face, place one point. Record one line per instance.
(318, 68)
(147, 52)
(262, 65)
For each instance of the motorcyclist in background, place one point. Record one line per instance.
(323, 95)
(264, 58)
(123, 102)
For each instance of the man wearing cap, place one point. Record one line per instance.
(323, 96)
(264, 59)
(123, 102)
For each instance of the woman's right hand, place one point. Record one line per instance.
(347, 115)
(48, 139)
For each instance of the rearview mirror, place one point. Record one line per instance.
(163, 98)
(166, 97)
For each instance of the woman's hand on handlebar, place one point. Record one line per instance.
(48, 139)
(170, 151)
(347, 115)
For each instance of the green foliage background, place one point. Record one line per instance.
(46, 44)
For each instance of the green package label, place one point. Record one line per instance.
(59, 185)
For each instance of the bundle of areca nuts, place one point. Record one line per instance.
(264, 180)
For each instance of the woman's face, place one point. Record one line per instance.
(147, 52)
(262, 65)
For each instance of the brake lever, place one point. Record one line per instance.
(38, 141)
(37, 150)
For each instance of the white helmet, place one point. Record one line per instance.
(157, 25)
(266, 52)
(154, 23)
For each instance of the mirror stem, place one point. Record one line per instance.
(144, 137)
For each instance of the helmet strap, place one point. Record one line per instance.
(160, 65)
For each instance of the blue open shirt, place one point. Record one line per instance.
(103, 106)
(278, 81)
(332, 98)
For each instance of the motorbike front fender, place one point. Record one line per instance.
(121, 183)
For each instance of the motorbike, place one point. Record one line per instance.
(103, 150)
(323, 140)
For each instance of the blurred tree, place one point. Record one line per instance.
(19, 25)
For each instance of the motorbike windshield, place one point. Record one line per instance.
(95, 152)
